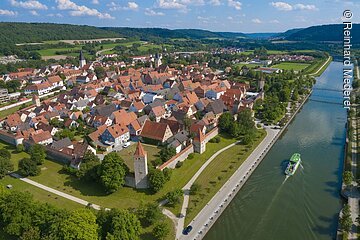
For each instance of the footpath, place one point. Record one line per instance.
(54, 191)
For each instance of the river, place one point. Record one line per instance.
(306, 205)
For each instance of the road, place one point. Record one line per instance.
(208, 215)
(61, 194)
(186, 188)
(354, 196)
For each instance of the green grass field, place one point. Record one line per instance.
(15, 156)
(217, 173)
(7, 112)
(247, 65)
(53, 176)
(128, 153)
(291, 66)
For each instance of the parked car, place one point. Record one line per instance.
(187, 230)
(126, 144)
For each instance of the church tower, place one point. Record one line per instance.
(36, 100)
(82, 61)
(158, 60)
(140, 167)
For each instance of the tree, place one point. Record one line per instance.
(20, 148)
(37, 153)
(161, 231)
(156, 179)
(65, 133)
(345, 220)
(174, 197)
(100, 72)
(28, 167)
(225, 122)
(112, 172)
(79, 225)
(6, 166)
(16, 212)
(347, 178)
(166, 153)
(124, 225)
(5, 153)
(195, 188)
(245, 120)
(89, 167)
(149, 213)
(187, 123)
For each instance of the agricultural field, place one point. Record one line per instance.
(291, 66)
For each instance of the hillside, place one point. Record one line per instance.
(149, 33)
(332, 32)
(37, 32)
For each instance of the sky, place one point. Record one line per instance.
(215, 15)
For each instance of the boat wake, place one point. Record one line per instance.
(286, 178)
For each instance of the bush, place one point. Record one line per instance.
(174, 197)
(178, 164)
(157, 162)
(191, 156)
(216, 139)
(195, 188)
(28, 167)
(20, 148)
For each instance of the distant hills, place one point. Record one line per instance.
(37, 32)
(332, 32)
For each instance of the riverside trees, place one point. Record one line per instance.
(23, 218)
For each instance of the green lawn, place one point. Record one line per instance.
(53, 176)
(291, 66)
(39, 194)
(15, 156)
(217, 173)
(52, 51)
(7, 112)
(128, 153)
(247, 65)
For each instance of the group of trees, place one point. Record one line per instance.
(6, 165)
(23, 218)
(30, 166)
(11, 86)
(244, 126)
(158, 178)
(110, 172)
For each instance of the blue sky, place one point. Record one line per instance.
(215, 15)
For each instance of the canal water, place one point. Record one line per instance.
(306, 205)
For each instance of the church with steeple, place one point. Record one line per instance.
(140, 167)
(82, 61)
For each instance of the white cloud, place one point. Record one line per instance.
(30, 4)
(76, 10)
(34, 13)
(54, 15)
(130, 6)
(133, 6)
(230, 18)
(275, 21)
(95, 2)
(151, 12)
(235, 4)
(215, 2)
(7, 13)
(256, 20)
(170, 4)
(283, 6)
(300, 6)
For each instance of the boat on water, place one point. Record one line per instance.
(293, 164)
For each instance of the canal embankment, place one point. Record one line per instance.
(212, 211)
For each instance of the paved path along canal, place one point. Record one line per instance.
(304, 206)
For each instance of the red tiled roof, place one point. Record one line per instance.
(154, 130)
(140, 150)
